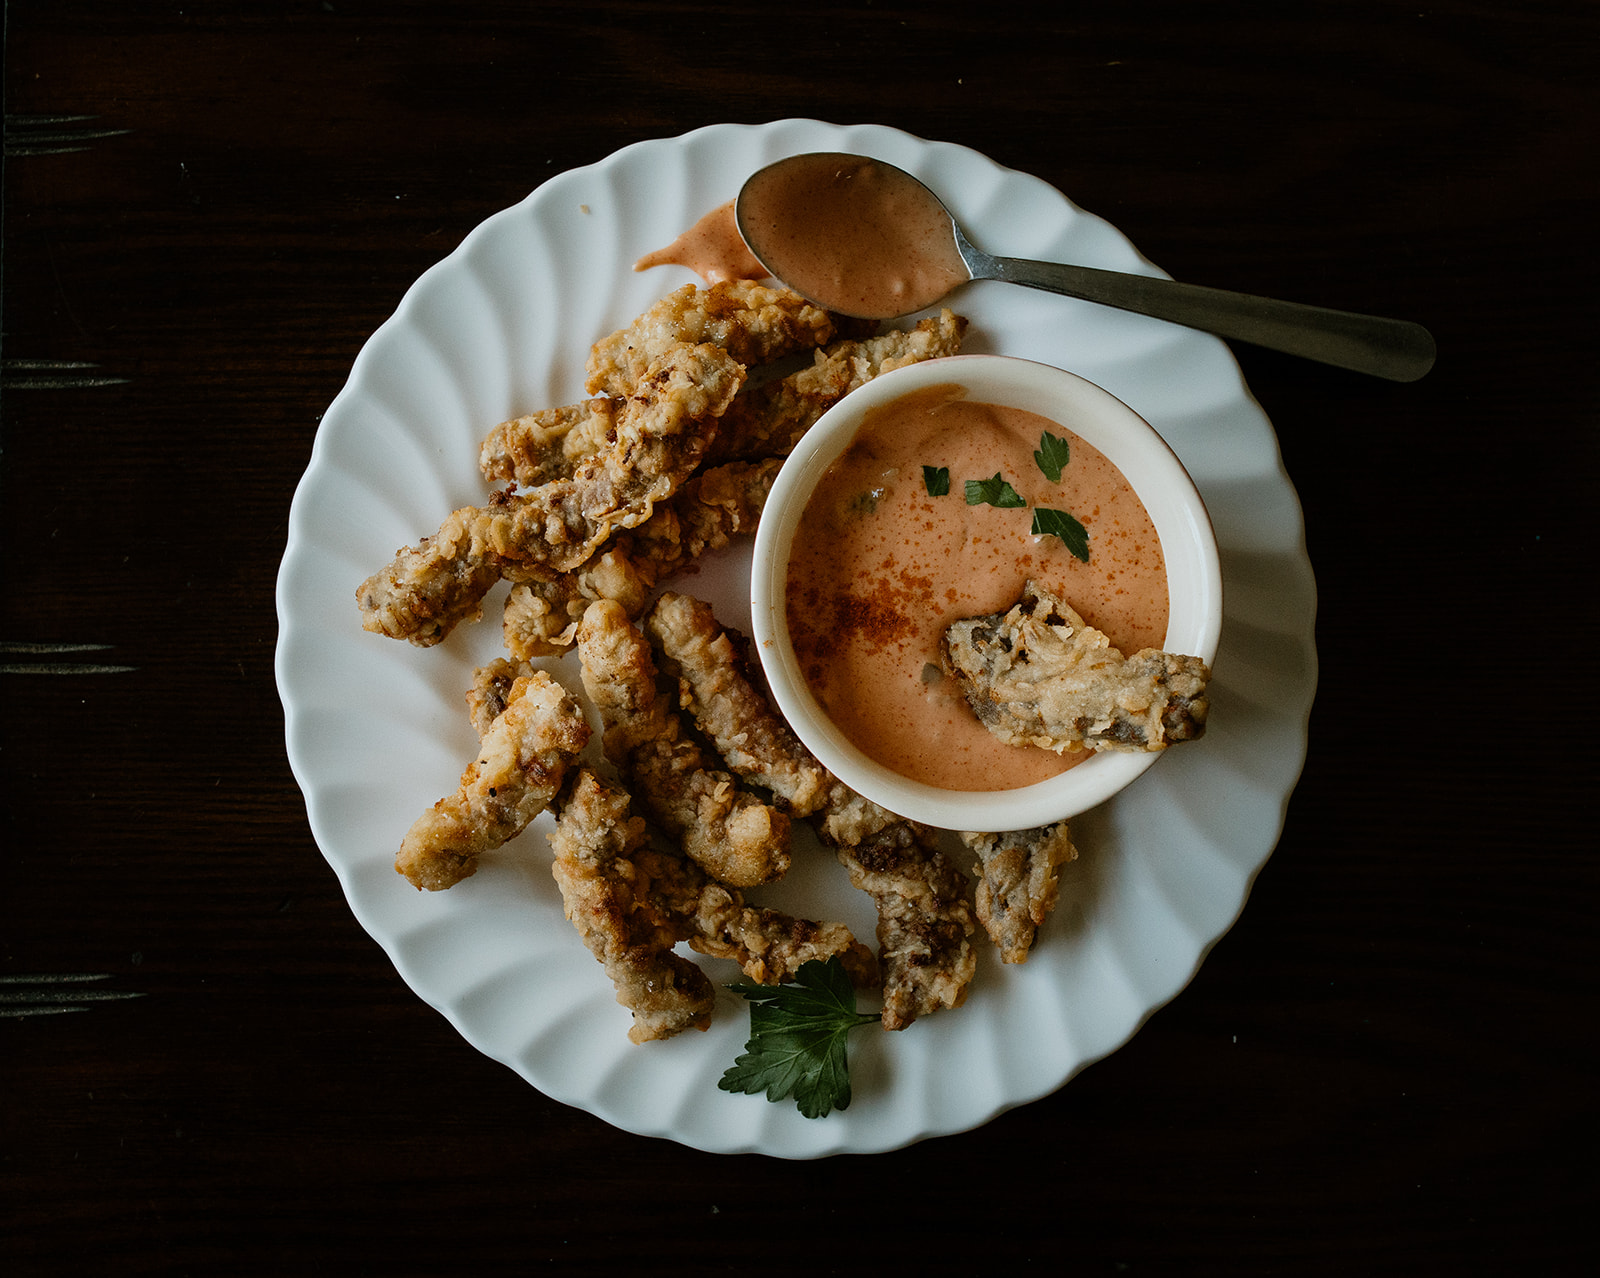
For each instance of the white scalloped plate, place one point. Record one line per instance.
(377, 730)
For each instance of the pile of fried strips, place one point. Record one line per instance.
(699, 782)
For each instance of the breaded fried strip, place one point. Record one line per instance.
(727, 831)
(550, 444)
(925, 922)
(1017, 883)
(763, 421)
(771, 418)
(755, 323)
(632, 902)
(601, 866)
(517, 770)
(766, 420)
(660, 437)
(541, 617)
(1039, 675)
(712, 667)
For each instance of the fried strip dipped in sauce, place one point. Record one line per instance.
(541, 618)
(660, 437)
(515, 774)
(1039, 675)
(723, 828)
(1017, 883)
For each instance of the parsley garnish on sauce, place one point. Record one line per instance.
(1051, 457)
(994, 491)
(797, 1039)
(1054, 453)
(1060, 524)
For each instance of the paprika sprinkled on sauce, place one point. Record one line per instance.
(881, 566)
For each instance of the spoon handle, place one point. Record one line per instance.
(1395, 349)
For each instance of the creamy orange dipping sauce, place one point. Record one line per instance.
(854, 235)
(880, 568)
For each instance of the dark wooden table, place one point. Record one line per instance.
(1387, 1066)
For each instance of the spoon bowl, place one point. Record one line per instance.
(864, 238)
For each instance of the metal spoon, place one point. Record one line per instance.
(1395, 349)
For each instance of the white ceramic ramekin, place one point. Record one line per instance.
(1194, 579)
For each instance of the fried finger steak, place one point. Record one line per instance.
(660, 437)
(1017, 883)
(603, 866)
(771, 418)
(925, 920)
(713, 670)
(755, 323)
(1039, 675)
(763, 421)
(725, 829)
(515, 774)
(541, 618)
(549, 444)
(632, 902)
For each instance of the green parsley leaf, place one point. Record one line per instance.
(1060, 524)
(797, 1039)
(936, 479)
(993, 492)
(1054, 453)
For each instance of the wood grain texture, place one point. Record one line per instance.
(1386, 1067)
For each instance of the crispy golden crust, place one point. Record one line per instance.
(713, 670)
(632, 902)
(1017, 883)
(771, 946)
(925, 922)
(660, 437)
(726, 830)
(770, 419)
(1038, 675)
(550, 444)
(603, 866)
(491, 691)
(516, 772)
(753, 322)
(763, 421)
(541, 618)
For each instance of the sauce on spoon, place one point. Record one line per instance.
(853, 235)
